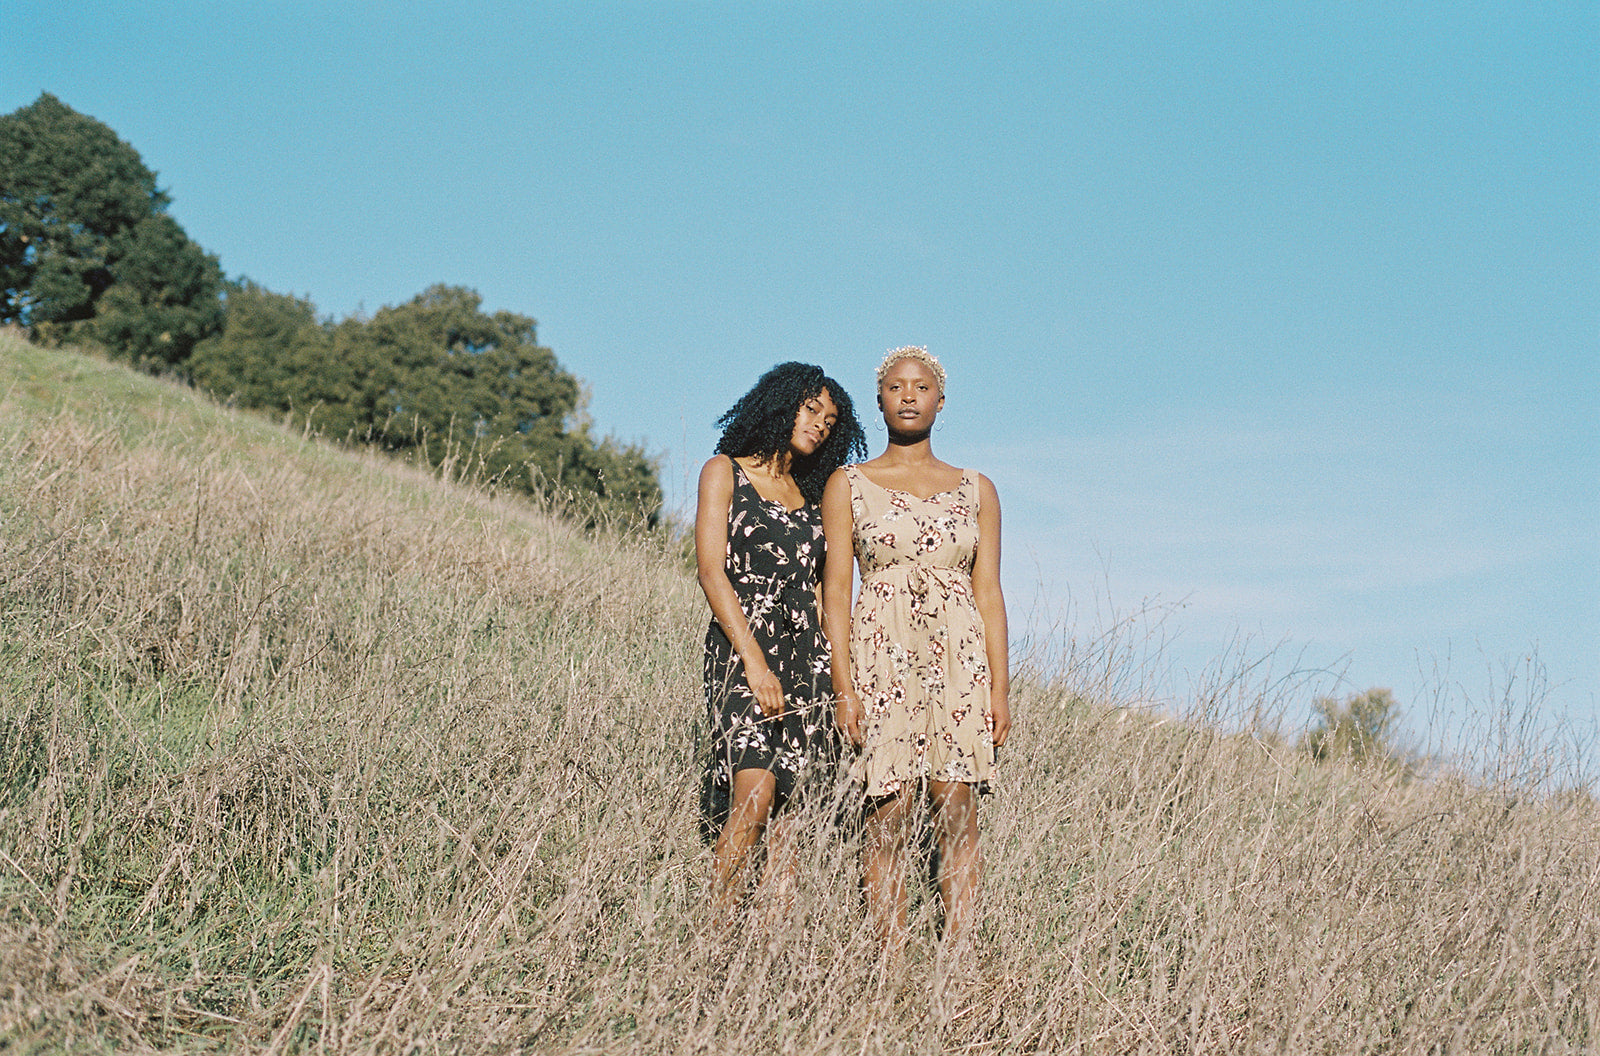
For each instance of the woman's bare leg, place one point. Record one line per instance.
(883, 866)
(779, 871)
(955, 819)
(750, 804)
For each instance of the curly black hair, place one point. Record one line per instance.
(761, 424)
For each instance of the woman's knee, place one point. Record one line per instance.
(753, 792)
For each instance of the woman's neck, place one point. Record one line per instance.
(778, 465)
(909, 448)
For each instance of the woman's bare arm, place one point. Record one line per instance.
(837, 579)
(992, 608)
(710, 558)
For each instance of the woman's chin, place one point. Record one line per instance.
(908, 436)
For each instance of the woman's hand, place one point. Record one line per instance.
(848, 715)
(999, 717)
(766, 688)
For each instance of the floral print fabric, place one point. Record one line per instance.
(916, 638)
(774, 561)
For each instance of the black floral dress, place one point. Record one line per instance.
(774, 562)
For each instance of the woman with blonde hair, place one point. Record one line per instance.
(920, 666)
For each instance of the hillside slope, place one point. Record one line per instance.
(305, 751)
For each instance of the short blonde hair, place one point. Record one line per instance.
(916, 352)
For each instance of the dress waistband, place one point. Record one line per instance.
(793, 599)
(919, 578)
(917, 568)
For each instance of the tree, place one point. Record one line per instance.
(164, 300)
(1359, 729)
(87, 250)
(265, 339)
(459, 372)
(436, 377)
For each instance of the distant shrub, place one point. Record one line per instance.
(1359, 729)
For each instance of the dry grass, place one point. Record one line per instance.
(301, 751)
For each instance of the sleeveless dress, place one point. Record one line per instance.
(916, 638)
(774, 561)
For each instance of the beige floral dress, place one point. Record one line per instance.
(916, 638)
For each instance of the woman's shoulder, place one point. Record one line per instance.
(839, 481)
(871, 468)
(718, 470)
(988, 497)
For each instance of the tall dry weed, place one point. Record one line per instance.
(301, 751)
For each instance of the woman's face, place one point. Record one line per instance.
(813, 424)
(909, 396)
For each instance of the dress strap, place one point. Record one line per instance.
(857, 498)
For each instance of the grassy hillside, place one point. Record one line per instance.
(304, 751)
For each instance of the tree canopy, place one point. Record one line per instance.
(87, 250)
(435, 376)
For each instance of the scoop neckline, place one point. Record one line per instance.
(902, 491)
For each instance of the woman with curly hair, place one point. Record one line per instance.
(920, 669)
(759, 549)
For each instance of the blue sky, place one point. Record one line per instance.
(1279, 323)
